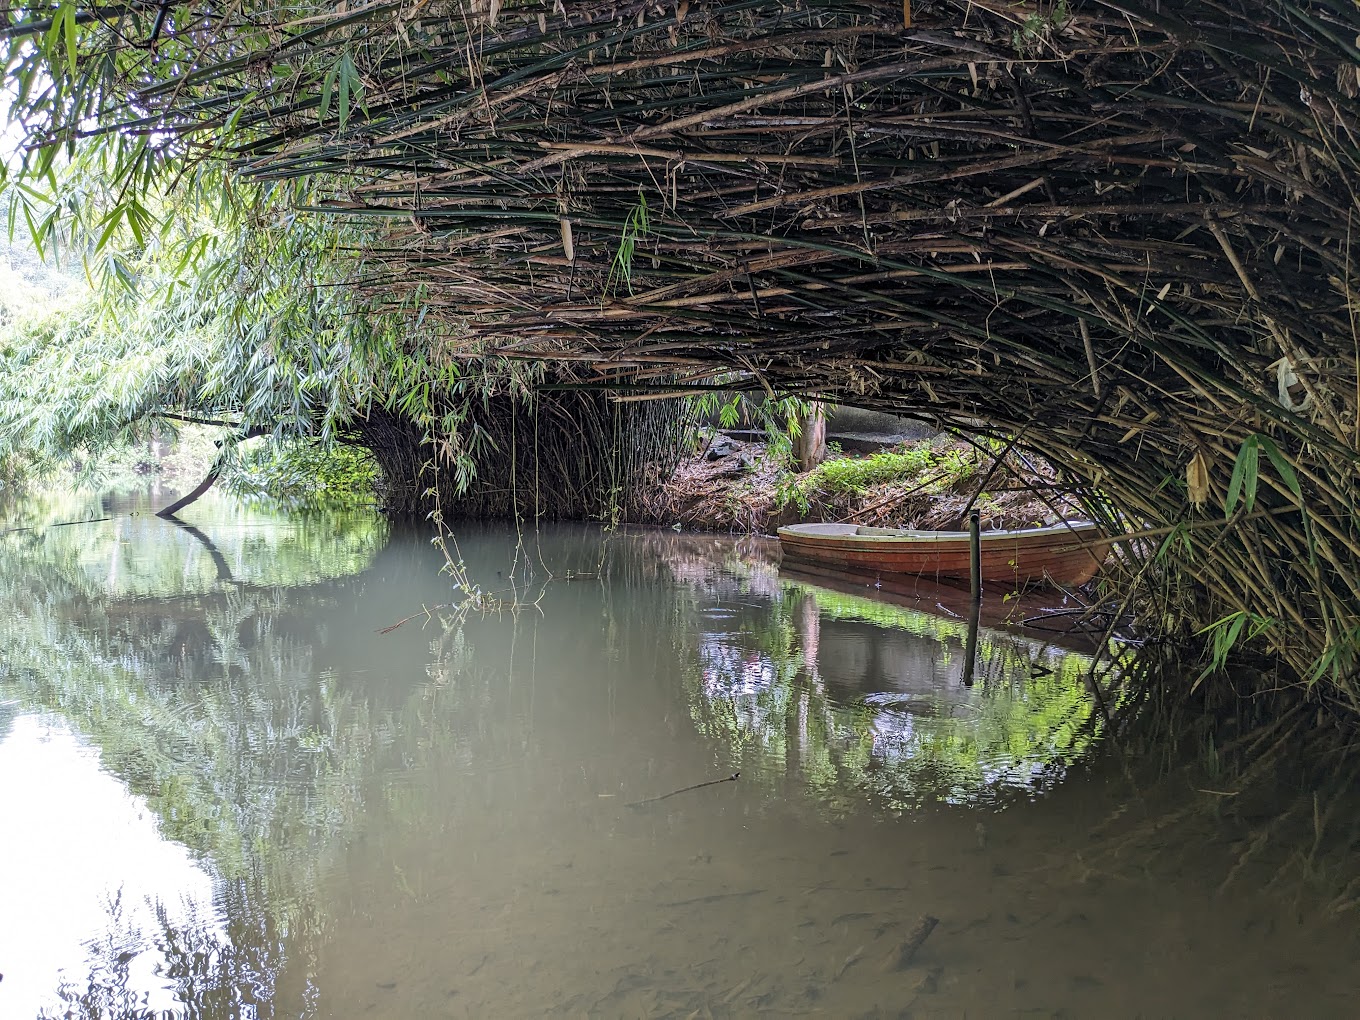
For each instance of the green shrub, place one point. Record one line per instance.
(305, 474)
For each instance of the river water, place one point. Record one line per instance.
(229, 788)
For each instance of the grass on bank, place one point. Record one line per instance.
(924, 467)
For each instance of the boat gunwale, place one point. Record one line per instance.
(906, 536)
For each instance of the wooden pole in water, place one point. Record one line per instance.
(975, 552)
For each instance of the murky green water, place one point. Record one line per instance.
(225, 793)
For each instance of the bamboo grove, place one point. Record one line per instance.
(1118, 231)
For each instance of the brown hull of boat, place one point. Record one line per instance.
(1065, 557)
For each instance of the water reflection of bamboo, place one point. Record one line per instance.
(810, 632)
(891, 701)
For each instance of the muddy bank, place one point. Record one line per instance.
(732, 485)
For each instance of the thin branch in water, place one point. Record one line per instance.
(425, 611)
(685, 789)
(59, 524)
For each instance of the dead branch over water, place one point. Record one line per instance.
(1123, 232)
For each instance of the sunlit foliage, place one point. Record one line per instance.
(234, 313)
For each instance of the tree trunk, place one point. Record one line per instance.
(181, 503)
(810, 446)
(214, 473)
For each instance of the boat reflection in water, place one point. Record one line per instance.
(858, 696)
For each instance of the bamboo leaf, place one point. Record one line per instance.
(69, 31)
(1233, 632)
(234, 120)
(1244, 477)
(35, 235)
(51, 40)
(47, 154)
(351, 87)
(344, 98)
(1282, 467)
(328, 89)
(138, 220)
(111, 222)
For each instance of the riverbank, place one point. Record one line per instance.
(731, 485)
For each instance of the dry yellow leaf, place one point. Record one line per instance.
(568, 248)
(1197, 479)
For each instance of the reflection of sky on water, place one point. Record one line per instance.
(198, 754)
(734, 672)
(83, 872)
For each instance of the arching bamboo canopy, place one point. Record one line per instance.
(1122, 231)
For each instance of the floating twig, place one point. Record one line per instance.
(59, 524)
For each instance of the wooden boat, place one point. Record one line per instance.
(1066, 554)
